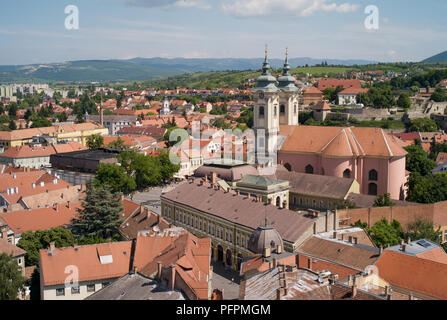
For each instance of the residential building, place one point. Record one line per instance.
(115, 122)
(417, 269)
(11, 249)
(96, 265)
(38, 219)
(36, 156)
(135, 286)
(349, 95)
(370, 155)
(176, 259)
(312, 96)
(152, 131)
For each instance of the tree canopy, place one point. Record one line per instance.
(418, 161)
(11, 279)
(95, 141)
(116, 177)
(423, 125)
(100, 215)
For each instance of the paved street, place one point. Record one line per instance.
(227, 280)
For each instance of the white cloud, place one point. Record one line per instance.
(202, 4)
(301, 8)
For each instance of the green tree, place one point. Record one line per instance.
(116, 177)
(384, 234)
(11, 279)
(95, 141)
(418, 161)
(40, 122)
(12, 125)
(100, 213)
(12, 110)
(423, 125)
(384, 201)
(167, 168)
(423, 229)
(117, 144)
(404, 100)
(427, 188)
(167, 135)
(32, 242)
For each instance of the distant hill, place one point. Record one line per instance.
(442, 57)
(139, 69)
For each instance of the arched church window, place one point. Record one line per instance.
(282, 109)
(261, 111)
(309, 169)
(288, 167)
(295, 108)
(373, 176)
(347, 174)
(275, 110)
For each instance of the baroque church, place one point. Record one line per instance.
(372, 156)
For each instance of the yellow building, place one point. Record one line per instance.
(66, 132)
(230, 219)
(316, 192)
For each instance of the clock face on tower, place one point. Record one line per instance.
(261, 95)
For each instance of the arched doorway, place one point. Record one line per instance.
(309, 169)
(219, 253)
(347, 174)
(228, 259)
(372, 189)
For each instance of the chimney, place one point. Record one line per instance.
(52, 246)
(248, 195)
(160, 267)
(267, 252)
(135, 269)
(172, 282)
(213, 178)
(402, 242)
(409, 240)
(279, 294)
(380, 250)
(354, 290)
(404, 247)
(4, 231)
(238, 192)
(388, 292)
(279, 249)
(410, 296)
(275, 263)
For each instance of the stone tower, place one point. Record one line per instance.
(266, 115)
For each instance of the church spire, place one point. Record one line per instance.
(286, 70)
(266, 66)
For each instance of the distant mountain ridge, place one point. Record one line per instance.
(138, 69)
(442, 57)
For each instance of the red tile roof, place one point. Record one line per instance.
(88, 261)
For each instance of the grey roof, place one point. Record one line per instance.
(136, 287)
(291, 225)
(228, 173)
(312, 184)
(264, 237)
(260, 181)
(414, 248)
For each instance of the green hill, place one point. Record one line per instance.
(442, 57)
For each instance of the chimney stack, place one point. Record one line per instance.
(354, 290)
(213, 178)
(404, 247)
(380, 250)
(52, 246)
(172, 282)
(279, 249)
(160, 267)
(409, 240)
(388, 292)
(135, 269)
(267, 252)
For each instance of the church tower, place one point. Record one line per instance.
(288, 97)
(166, 107)
(266, 115)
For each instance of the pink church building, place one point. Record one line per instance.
(369, 155)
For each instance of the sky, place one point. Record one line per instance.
(35, 31)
